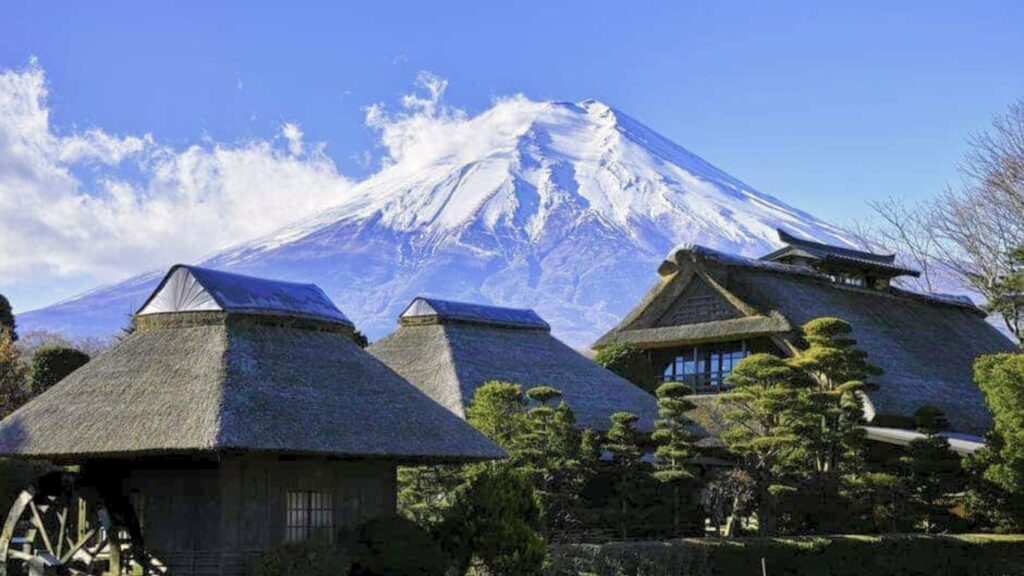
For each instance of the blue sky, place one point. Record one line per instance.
(824, 104)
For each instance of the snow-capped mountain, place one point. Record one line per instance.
(564, 208)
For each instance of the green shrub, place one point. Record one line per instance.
(896, 555)
(397, 547)
(52, 363)
(311, 558)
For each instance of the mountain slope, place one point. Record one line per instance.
(565, 208)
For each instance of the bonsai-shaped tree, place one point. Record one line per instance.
(622, 441)
(841, 371)
(768, 408)
(674, 454)
(556, 455)
(929, 469)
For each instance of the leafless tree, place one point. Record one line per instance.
(967, 232)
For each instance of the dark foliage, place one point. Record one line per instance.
(312, 558)
(396, 547)
(896, 555)
(51, 364)
(7, 318)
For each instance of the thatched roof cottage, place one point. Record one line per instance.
(708, 310)
(239, 414)
(448, 349)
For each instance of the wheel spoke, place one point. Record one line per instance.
(39, 525)
(63, 517)
(78, 546)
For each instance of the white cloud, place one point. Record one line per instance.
(427, 130)
(106, 206)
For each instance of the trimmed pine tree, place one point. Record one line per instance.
(673, 457)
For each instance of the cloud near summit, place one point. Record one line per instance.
(90, 204)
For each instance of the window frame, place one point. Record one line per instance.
(308, 514)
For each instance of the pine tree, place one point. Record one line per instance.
(673, 456)
(622, 441)
(7, 318)
(841, 371)
(930, 471)
(768, 410)
(498, 410)
(556, 456)
(1006, 294)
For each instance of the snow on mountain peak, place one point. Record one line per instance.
(563, 207)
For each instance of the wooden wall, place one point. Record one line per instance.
(215, 517)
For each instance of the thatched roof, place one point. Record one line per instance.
(448, 356)
(217, 381)
(926, 344)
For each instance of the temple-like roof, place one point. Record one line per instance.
(204, 380)
(428, 310)
(448, 360)
(925, 343)
(194, 289)
(829, 256)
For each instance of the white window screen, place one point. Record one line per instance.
(307, 514)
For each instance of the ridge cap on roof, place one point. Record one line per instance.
(725, 258)
(793, 240)
(457, 311)
(214, 282)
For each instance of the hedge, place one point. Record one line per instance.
(890, 555)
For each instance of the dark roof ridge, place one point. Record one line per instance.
(792, 240)
(727, 259)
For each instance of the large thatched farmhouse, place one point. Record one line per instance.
(708, 310)
(239, 414)
(448, 349)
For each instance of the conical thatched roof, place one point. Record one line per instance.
(448, 349)
(218, 380)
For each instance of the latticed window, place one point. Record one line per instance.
(308, 513)
(706, 368)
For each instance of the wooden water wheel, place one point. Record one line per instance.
(63, 525)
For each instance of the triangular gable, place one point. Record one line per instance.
(180, 291)
(699, 302)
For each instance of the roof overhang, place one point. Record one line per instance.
(700, 333)
(962, 444)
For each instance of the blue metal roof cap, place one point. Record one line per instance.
(193, 289)
(444, 310)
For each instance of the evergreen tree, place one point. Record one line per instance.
(768, 410)
(51, 364)
(7, 318)
(1001, 379)
(841, 371)
(557, 457)
(674, 454)
(498, 410)
(622, 441)
(1006, 294)
(494, 521)
(930, 471)
(13, 393)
